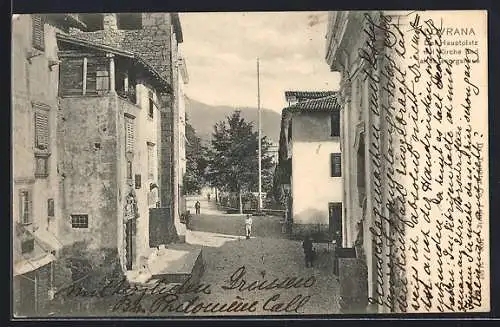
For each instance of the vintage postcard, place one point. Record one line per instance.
(249, 163)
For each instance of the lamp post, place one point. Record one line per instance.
(259, 208)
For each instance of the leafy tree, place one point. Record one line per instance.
(233, 157)
(196, 162)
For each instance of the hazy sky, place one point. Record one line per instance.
(221, 51)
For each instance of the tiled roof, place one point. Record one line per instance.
(308, 94)
(328, 103)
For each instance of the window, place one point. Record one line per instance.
(129, 169)
(80, 221)
(102, 80)
(151, 105)
(37, 29)
(335, 161)
(138, 181)
(97, 74)
(41, 165)
(25, 215)
(42, 139)
(129, 21)
(151, 161)
(27, 245)
(41, 129)
(50, 208)
(129, 134)
(335, 123)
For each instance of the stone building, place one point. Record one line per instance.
(310, 164)
(37, 203)
(153, 37)
(109, 136)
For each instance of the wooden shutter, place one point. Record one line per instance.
(151, 158)
(335, 123)
(41, 130)
(37, 28)
(336, 168)
(129, 134)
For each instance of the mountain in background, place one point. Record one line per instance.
(203, 118)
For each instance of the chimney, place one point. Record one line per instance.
(110, 22)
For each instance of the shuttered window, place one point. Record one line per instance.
(42, 130)
(25, 212)
(335, 161)
(129, 134)
(37, 27)
(335, 123)
(151, 161)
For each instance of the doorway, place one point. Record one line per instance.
(335, 222)
(130, 230)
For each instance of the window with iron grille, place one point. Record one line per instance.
(38, 31)
(129, 134)
(25, 206)
(335, 161)
(80, 221)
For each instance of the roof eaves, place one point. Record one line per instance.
(97, 46)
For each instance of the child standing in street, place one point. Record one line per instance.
(197, 207)
(248, 226)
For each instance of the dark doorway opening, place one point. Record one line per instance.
(335, 221)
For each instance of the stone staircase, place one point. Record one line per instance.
(174, 263)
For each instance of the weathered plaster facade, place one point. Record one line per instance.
(37, 201)
(312, 193)
(312, 185)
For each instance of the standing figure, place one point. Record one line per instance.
(308, 251)
(248, 226)
(197, 207)
(208, 197)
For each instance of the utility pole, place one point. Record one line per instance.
(259, 209)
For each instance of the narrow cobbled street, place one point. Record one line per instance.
(255, 263)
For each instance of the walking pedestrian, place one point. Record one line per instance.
(208, 197)
(248, 226)
(197, 207)
(308, 251)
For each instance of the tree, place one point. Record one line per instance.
(233, 157)
(196, 162)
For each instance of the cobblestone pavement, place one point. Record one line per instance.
(267, 256)
(268, 275)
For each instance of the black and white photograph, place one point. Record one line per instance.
(213, 164)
